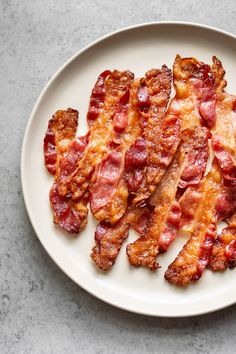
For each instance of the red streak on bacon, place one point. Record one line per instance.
(107, 178)
(97, 97)
(230, 252)
(205, 251)
(172, 225)
(135, 160)
(225, 161)
(66, 213)
(121, 115)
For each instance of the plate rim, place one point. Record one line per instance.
(204, 310)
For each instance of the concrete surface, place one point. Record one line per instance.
(41, 310)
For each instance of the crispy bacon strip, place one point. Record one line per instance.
(61, 130)
(195, 255)
(109, 191)
(143, 251)
(109, 238)
(148, 158)
(116, 86)
(66, 152)
(69, 215)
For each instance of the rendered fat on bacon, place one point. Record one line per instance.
(148, 158)
(164, 220)
(195, 255)
(108, 188)
(61, 130)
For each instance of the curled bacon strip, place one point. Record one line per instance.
(61, 130)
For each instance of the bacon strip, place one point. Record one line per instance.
(195, 255)
(61, 130)
(109, 203)
(69, 215)
(164, 222)
(103, 107)
(147, 160)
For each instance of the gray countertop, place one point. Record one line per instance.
(41, 310)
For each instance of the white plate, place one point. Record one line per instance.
(137, 48)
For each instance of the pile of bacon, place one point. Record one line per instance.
(143, 163)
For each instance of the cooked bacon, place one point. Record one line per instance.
(198, 153)
(108, 243)
(109, 203)
(97, 97)
(195, 255)
(109, 238)
(147, 159)
(224, 250)
(61, 130)
(109, 174)
(67, 166)
(115, 86)
(69, 215)
(163, 224)
(195, 85)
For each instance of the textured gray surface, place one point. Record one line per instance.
(41, 310)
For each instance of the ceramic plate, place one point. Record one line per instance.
(138, 49)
